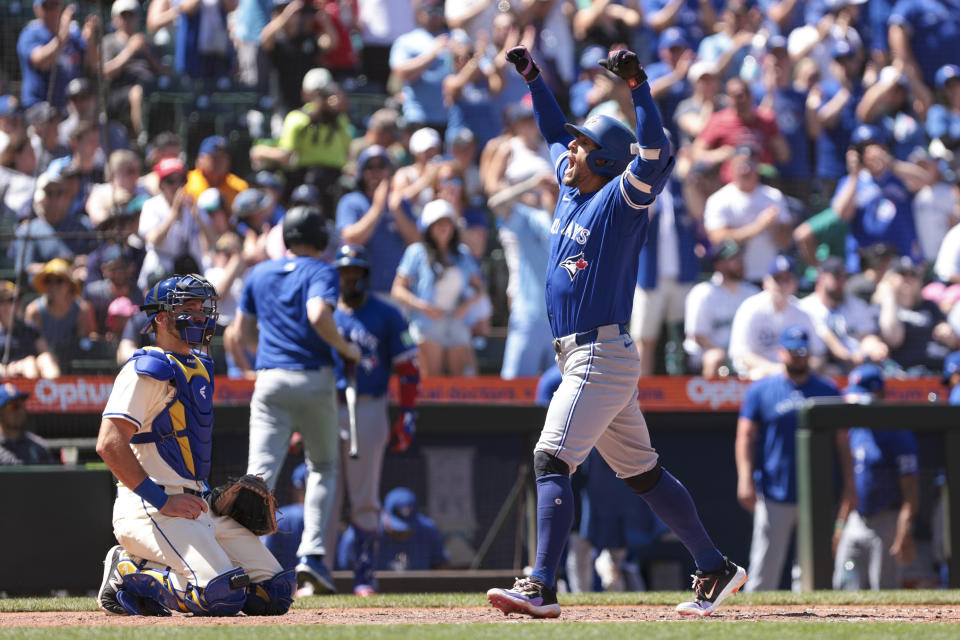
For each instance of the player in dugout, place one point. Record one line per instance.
(175, 554)
(607, 183)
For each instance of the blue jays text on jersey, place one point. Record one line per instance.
(596, 237)
(381, 333)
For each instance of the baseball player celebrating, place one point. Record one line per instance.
(381, 333)
(156, 439)
(286, 314)
(607, 182)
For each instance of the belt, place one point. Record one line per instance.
(193, 492)
(585, 337)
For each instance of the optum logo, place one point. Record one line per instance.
(71, 395)
(716, 393)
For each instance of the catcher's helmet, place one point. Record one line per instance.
(305, 225)
(614, 140)
(351, 255)
(169, 296)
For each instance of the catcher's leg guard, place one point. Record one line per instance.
(271, 597)
(223, 596)
(146, 592)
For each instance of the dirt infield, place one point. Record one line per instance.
(462, 615)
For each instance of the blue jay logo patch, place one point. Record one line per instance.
(574, 265)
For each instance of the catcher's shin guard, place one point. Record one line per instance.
(146, 592)
(225, 595)
(271, 597)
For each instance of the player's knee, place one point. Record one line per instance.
(271, 597)
(645, 481)
(546, 464)
(225, 595)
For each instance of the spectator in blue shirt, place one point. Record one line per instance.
(365, 218)
(732, 45)
(873, 200)
(889, 103)
(470, 92)
(407, 540)
(943, 118)
(766, 456)
(51, 41)
(421, 59)
(695, 17)
(924, 34)
(583, 95)
(439, 281)
(669, 85)
(203, 48)
(876, 540)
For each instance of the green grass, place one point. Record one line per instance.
(525, 630)
(918, 597)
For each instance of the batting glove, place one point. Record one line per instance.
(401, 435)
(520, 58)
(626, 65)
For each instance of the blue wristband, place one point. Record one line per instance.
(152, 493)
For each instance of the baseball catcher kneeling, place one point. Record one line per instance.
(182, 546)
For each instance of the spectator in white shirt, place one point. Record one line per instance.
(846, 324)
(749, 213)
(762, 317)
(947, 266)
(710, 308)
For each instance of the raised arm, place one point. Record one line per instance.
(550, 118)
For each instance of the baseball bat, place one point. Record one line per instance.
(351, 394)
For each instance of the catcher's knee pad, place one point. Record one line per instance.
(546, 464)
(144, 591)
(271, 597)
(645, 481)
(223, 596)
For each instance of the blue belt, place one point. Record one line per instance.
(586, 337)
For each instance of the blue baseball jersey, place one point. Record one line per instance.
(772, 403)
(381, 333)
(276, 292)
(423, 549)
(596, 237)
(884, 213)
(833, 142)
(933, 27)
(954, 397)
(880, 458)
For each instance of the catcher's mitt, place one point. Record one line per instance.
(249, 501)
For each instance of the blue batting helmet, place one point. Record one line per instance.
(169, 296)
(351, 255)
(614, 140)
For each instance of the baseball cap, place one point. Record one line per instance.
(868, 134)
(424, 139)
(701, 68)
(169, 166)
(724, 250)
(371, 152)
(305, 194)
(210, 200)
(8, 393)
(842, 49)
(212, 145)
(951, 365)
(122, 307)
(795, 339)
(904, 265)
(400, 507)
(673, 37)
(299, 476)
(867, 378)
(461, 138)
(832, 265)
(780, 264)
(267, 180)
(9, 105)
(318, 79)
(591, 57)
(78, 87)
(434, 211)
(122, 6)
(248, 202)
(945, 73)
(775, 42)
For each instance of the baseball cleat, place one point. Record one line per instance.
(107, 595)
(528, 596)
(710, 589)
(311, 570)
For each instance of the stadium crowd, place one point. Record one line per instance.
(815, 144)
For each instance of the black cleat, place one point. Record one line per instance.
(528, 596)
(710, 589)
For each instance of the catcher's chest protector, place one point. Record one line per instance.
(183, 430)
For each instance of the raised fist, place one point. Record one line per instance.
(520, 58)
(625, 64)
